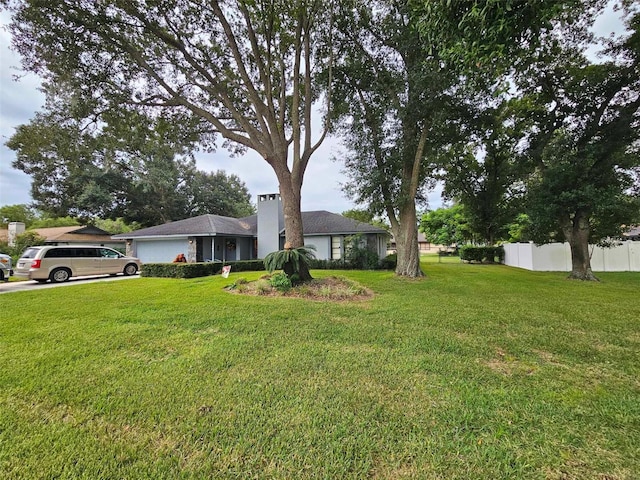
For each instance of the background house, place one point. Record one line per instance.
(213, 237)
(633, 233)
(424, 245)
(73, 235)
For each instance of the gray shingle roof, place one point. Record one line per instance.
(633, 231)
(321, 222)
(203, 225)
(318, 222)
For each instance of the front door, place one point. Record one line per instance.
(231, 246)
(199, 250)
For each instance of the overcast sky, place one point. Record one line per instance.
(20, 99)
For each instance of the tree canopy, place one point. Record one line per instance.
(446, 226)
(414, 77)
(17, 213)
(584, 144)
(482, 170)
(126, 168)
(365, 216)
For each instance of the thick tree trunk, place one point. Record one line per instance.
(290, 193)
(577, 233)
(406, 235)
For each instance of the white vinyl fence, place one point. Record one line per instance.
(556, 257)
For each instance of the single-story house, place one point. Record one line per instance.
(71, 235)
(424, 245)
(633, 233)
(216, 238)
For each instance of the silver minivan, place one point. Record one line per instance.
(61, 262)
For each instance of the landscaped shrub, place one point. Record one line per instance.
(498, 253)
(389, 262)
(247, 266)
(281, 282)
(358, 256)
(180, 270)
(291, 260)
(194, 270)
(472, 253)
(329, 265)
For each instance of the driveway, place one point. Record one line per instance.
(33, 285)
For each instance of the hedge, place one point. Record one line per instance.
(387, 263)
(193, 270)
(471, 253)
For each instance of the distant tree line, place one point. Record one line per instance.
(129, 168)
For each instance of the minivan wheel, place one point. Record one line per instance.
(130, 269)
(60, 275)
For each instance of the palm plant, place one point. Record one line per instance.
(291, 260)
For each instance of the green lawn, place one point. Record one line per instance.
(477, 372)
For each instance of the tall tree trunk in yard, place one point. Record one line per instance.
(406, 235)
(290, 193)
(576, 232)
(405, 225)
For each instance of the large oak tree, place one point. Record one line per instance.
(246, 70)
(482, 171)
(393, 93)
(584, 144)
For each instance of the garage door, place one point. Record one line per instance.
(159, 251)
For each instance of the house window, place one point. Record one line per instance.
(336, 248)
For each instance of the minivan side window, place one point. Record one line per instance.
(86, 252)
(72, 253)
(108, 253)
(59, 253)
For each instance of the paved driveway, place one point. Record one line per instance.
(33, 285)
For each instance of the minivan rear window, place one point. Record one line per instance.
(30, 253)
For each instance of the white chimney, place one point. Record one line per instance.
(15, 229)
(270, 223)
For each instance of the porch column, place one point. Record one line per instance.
(192, 249)
(239, 248)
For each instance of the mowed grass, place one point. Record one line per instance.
(476, 372)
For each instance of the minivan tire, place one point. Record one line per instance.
(60, 275)
(130, 269)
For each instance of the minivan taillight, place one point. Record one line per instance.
(35, 264)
